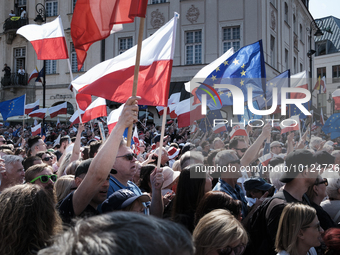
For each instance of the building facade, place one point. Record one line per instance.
(206, 29)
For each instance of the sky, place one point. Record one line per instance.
(324, 8)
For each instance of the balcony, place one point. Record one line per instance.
(10, 27)
(14, 79)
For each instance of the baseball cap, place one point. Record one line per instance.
(256, 183)
(323, 157)
(121, 199)
(294, 160)
(83, 167)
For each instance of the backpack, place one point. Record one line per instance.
(259, 239)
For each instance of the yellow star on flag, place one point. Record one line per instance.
(243, 65)
(242, 82)
(225, 63)
(236, 61)
(243, 73)
(213, 77)
(229, 94)
(221, 92)
(217, 69)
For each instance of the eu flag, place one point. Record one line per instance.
(248, 115)
(296, 111)
(40, 75)
(332, 125)
(244, 69)
(207, 123)
(13, 107)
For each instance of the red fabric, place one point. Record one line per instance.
(299, 95)
(93, 20)
(188, 118)
(37, 132)
(336, 103)
(40, 115)
(153, 85)
(56, 113)
(290, 128)
(94, 113)
(50, 48)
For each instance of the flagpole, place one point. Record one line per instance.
(23, 119)
(162, 137)
(135, 78)
(74, 92)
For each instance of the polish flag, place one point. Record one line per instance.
(114, 117)
(314, 126)
(31, 107)
(58, 109)
(34, 74)
(298, 80)
(93, 21)
(96, 109)
(113, 78)
(75, 117)
(58, 122)
(194, 127)
(160, 110)
(336, 98)
(39, 113)
(172, 104)
(291, 124)
(237, 130)
(188, 113)
(219, 128)
(36, 130)
(48, 40)
(136, 148)
(265, 159)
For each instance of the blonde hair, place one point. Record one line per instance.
(63, 186)
(293, 218)
(176, 166)
(216, 230)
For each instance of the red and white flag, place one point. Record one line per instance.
(93, 21)
(238, 130)
(39, 113)
(34, 74)
(291, 124)
(299, 80)
(265, 159)
(58, 109)
(194, 127)
(321, 84)
(58, 122)
(188, 113)
(314, 126)
(336, 98)
(75, 117)
(48, 40)
(154, 71)
(36, 130)
(114, 117)
(95, 110)
(136, 147)
(160, 110)
(219, 128)
(31, 107)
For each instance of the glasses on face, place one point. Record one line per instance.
(129, 156)
(324, 181)
(242, 150)
(237, 161)
(238, 250)
(45, 178)
(47, 158)
(317, 226)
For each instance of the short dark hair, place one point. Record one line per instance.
(33, 140)
(94, 147)
(73, 139)
(234, 142)
(64, 139)
(28, 162)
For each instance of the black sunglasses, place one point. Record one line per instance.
(45, 178)
(47, 158)
(324, 181)
(129, 156)
(242, 150)
(238, 250)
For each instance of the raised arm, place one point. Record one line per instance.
(76, 146)
(102, 163)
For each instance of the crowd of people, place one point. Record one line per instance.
(90, 193)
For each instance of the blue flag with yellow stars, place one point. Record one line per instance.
(13, 107)
(332, 125)
(296, 111)
(244, 69)
(248, 115)
(207, 123)
(40, 75)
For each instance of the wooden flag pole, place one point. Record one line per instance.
(135, 78)
(74, 92)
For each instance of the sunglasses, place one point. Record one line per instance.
(47, 158)
(129, 156)
(238, 250)
(325, 181)
(237, 161)
(242, 150)
(45, 178)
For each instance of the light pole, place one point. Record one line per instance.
(41, 18)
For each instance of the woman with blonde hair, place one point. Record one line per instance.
(219, 233)
(64, 186)
(299, 231)
(28, 219)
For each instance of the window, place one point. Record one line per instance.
(74, 60)
(295, 70)
(21, 3)
(321, 48)
(51, 8)
(336, 73)
(51, 66)
(294, 24)
(321, 72)
(286, 12)
(301, 33)
(301, 67)
(19, 58)
(124, 44)
(272, 51)
(193, 47)
(73, 5)
(286, 59)
(157, 1)
(231, 38)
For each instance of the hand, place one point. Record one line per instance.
(266, 131)
(290, 137)
(261, 199)
(157, 179)
(150, 159)
(129, 114)
(81, 128)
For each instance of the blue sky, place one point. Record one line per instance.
(324, 8)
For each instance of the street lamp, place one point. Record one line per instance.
(41, 18)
